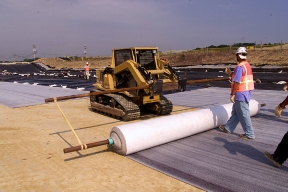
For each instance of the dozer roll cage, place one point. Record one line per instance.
(148, 59)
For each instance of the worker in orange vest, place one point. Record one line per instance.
(241, 90)
(86, 71)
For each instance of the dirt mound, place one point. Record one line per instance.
(59, 63)
(274, 56)
(258, 57)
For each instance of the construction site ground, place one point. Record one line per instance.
(32, 139)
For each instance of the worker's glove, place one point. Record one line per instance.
(285, 88)
(232, 98)
(278, 110)
(228, 71)
(229, 80)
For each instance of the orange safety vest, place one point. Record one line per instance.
(86, 68)
(246, 82)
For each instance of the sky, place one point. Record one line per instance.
(64, 27)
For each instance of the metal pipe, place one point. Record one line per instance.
(89, 145)
(174, 86)
(96, 93)
(168, 86)
(206, 80)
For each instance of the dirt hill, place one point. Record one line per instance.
(58, 63)
(270, 56)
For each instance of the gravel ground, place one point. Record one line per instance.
(32, 139)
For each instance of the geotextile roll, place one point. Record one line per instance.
(138, 136)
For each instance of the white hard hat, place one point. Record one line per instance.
(241, 51)
(87, 63)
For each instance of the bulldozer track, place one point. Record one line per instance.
(130, 110)
(166, 106)
(125, 108)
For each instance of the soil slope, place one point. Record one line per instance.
(270, 56)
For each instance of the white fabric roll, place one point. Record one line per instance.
(134, 137)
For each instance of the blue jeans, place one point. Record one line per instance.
(240, 113)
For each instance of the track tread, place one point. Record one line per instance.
(131, 110)
(166, 106)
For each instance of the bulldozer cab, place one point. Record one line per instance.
(136, 66)
(146, 57)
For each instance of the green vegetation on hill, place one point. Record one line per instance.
(224, 47)
(271, 54)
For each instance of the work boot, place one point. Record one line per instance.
(278, 110)
(271, 158)
(222, 128)
(244, 136)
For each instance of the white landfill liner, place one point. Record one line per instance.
(138, 136)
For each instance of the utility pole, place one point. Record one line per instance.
(34, 51)
(85, 52)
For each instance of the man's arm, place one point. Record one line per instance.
(236, 80)
(235, 87)
(284, 103)
(278, 110)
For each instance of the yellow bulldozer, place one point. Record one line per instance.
(135, 67)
